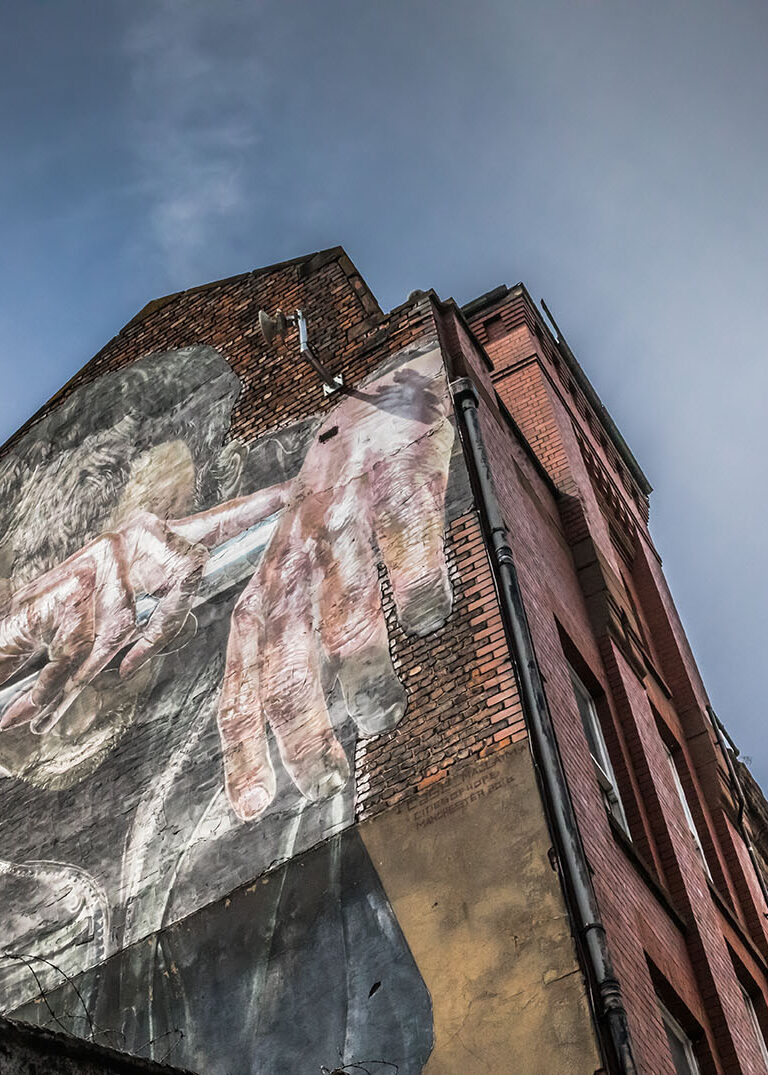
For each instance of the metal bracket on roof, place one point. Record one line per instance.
(276, 327)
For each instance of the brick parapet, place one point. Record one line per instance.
(515, 335)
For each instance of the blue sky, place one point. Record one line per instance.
(612, 155)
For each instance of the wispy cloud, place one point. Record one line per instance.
(193, 98)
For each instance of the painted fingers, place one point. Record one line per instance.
(81, 614)
(408, 493)
(59, 616)
(274, 676)
(312, 614)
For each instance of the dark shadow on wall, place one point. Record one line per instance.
(305, 968)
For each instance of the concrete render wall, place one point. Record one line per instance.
(496, 957)
(302, 892)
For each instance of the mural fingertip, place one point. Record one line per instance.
(330, 783)
(250, 803)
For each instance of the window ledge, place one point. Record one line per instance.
(647, 874)
(728, 913)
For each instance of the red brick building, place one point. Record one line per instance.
(555, 817)
(684, 912)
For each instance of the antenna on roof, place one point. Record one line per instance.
(553, 323)
(273, 328)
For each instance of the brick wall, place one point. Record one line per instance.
(463, 697)
(462, 691)
(577, 514)
(657, 902)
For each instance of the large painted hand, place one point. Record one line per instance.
(371, 491)
(82, 613)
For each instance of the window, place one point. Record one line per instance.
(679, 1045)
(685, 1036)
(749, 1005)
(687, 810)
(599, 752)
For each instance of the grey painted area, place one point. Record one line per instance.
(305, 968)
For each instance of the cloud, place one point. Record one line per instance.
(195, 82)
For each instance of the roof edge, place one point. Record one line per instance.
(155, 304)
(320, 257)
(47, 1043)
(497, 295)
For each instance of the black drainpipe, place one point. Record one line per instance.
(612, 1016)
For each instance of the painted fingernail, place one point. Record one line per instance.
(42, 724)
(424, 604)
(251, 803)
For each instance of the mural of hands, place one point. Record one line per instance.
(82, 613)
(164, 601)
(371, 491)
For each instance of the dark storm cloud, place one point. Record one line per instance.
(612, 155)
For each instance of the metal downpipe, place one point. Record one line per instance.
(612, 1016)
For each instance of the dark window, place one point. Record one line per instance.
(680, 1045)
(749, 1004)
(597, 748)
(686, 809)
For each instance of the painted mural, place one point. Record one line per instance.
(192, 640)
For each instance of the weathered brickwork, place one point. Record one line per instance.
(276, 390)
(618, 622)
(684, 930)
(463, 696)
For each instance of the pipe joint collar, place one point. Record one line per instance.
(464, 389)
